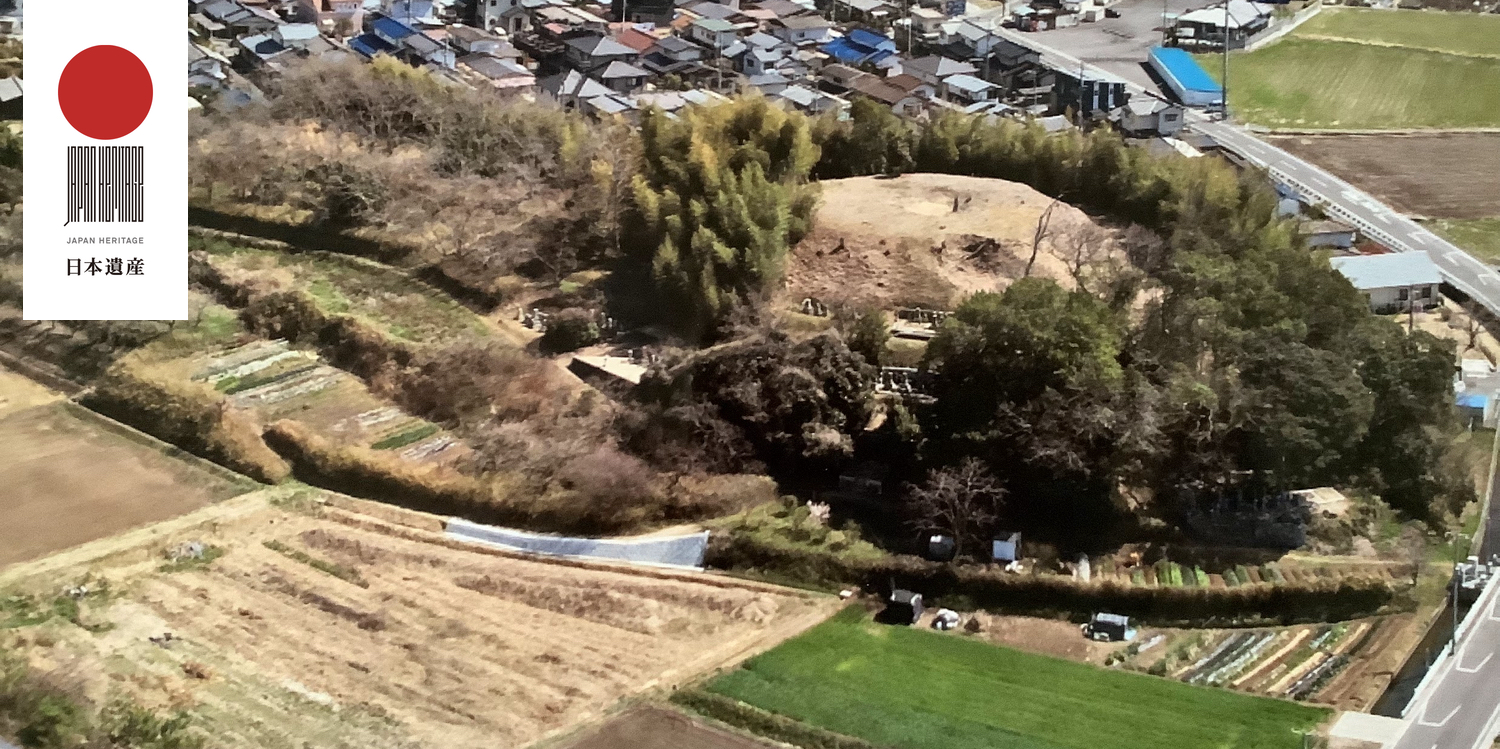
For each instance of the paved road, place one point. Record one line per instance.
(1461, 710)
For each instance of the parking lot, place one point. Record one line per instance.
(1119, 45)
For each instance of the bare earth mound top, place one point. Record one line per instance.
(904, 245)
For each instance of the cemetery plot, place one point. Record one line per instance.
(69, 477)
(295, 620)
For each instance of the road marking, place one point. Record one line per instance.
(1439, 724)
(1476, 669)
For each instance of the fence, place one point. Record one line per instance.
(1281, 27)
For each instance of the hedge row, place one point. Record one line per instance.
(762, 723)
(988, 588)
(188, 415)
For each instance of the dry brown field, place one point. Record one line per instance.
(359, 631)
(1450, 175)
(66, 479)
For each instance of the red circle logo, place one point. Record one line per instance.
(105, 92)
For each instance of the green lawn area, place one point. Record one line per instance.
(1462, 33)
(1305, 83)
(1368, 69)
(1481, 237)
(917, 689)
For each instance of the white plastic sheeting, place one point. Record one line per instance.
(676, 552)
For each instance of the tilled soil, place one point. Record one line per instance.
(392, 641)
(655, 728)
(1441, 175)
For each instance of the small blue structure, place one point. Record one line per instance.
(370, 45)
(861, 47)
(1187, 79)
(1473, 409)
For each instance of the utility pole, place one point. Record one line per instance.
(1453, 641)
(1080, 94)
(1225, 86)
(1411, 309)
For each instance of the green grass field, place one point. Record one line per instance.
(1372, 70)
(1459, 33)
(1481, 237)
(916, 689)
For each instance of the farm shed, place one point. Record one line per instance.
(1187, 79)
(1475, 409)
(1327, 233)
(1393, 282)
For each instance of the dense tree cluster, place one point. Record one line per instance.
(1249, 360)
(721, 196)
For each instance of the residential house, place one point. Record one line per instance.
(713, 33)
(470, 40)
(926, 22)
(861, 47)
(206, 67)
(568, 17)
(572, 89)
(681, 59)
(589, 53)
(236, 20)
(900, 101)
(409, 11)
(1393, 282)
(1205, 28)
(786, 8)
(808, 100)
(510, 16)
(966, 89)
(502, 75)
(768, 83)
(932, 69)
(635, 39)
(874, 12)
(622, 77)
(347, 16)
(1091, 93)
(842, 77)
(659, 12)
(1146, 116)
(800, 30)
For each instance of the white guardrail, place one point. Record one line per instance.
(1437, 670)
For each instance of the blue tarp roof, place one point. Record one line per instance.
(392, 28)
(867, 38)
(1472, 400)
(1186, 70)
(370, 45)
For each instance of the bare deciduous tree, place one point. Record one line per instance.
(1043, 231)
(1084, 249)
(962, 501)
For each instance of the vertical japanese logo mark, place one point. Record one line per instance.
(105, 92)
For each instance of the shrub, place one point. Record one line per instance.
(569, 330)
(1057, 596)
(187, 414)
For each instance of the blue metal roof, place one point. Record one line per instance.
(1473, 400)
(1186, 70)
(392, 28)
(860, 46)
(370, 45)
